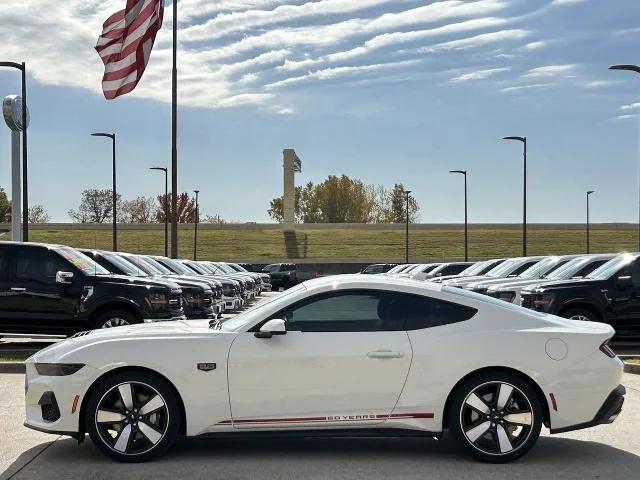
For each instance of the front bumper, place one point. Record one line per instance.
(608, 412)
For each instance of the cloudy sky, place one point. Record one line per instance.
(382, 90)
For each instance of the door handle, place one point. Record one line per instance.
(385, 354)
(18, 289)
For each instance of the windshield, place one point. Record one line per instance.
(612, 267)
(176, 267)
(504, 268)
(569, 269)
(196, 268)
(215, 269)
(538, 269)
(248, 315)
(157, 265)
(224, 268)
(141, 264)
(476, 268)
(127, 267)
(79, 260)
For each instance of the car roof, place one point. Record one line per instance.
(374, 281)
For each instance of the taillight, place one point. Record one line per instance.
(606, 349)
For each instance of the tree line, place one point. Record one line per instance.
(346, 200)
(96, 206)
(37, 213)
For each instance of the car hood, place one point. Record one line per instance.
(486, 283)
(576, 283)
(143, 332)
(149, 282)
(519, 284)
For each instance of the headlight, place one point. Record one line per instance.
(158, 298)
(543, 300)
(507, 296)
(58, 369)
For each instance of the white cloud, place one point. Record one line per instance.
(331, 73)
(633, 106)
(478, 41)
(478, 75)
(566, 2)
(549, 71)
(627, 117)
(526, 87)
(535, 45)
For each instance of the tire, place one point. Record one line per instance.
(583, 314)
(500, 436)
(133, 416)
(116, 318)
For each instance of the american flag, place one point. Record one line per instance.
(125, 45)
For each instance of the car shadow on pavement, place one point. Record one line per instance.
(325, 458)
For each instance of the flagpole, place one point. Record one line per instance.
(174, 135)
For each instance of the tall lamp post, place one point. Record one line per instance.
(588, 223)
(406, 238)
(112, 136)
(165, 207)
(631, 68)
(524, 194)
(466, 218)
(195, 231)
(25, 183)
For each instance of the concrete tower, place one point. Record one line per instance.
(291, 165)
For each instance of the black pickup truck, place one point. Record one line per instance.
(56, 290)
(286, 275)
(610, 294)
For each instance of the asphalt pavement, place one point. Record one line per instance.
(606, 451)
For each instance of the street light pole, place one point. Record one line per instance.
(195, 231)
(406, 245)
(165, 208)
(588, 223)
(25, 171)
(636, 69)
(114, 194)
(524, 194)
(174, 135)
(466, 218)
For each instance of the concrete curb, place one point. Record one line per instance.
(12, 367)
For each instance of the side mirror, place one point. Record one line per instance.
(64, 278)
(624, 282)
(273, 327)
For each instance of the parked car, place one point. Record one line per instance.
(198, 298)
(420, 268)
(231, 289)
(399, 268)
(508, 269)
(286, 275)
(378, 268)
(264, 277)
(248, 284)
(576, 268)
(534, 272)
(340, 356)
(477, 269)
(227, 269)
(54, 289)
(609, 294)
(444, 269)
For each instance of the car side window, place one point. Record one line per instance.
(371, 311)
(635, 273)
(522, 268)
(587, 269)
(38, 266)
(4, 264)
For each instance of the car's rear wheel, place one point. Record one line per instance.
(116, 318)
(133, 416)
(496, 417)
(581, 314)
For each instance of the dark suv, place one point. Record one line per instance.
(53, 289)
(610, 294)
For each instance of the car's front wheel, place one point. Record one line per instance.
(581, 314)
(115, 318)
(133, 416)
(496, 417)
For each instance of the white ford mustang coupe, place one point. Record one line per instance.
(337, 356)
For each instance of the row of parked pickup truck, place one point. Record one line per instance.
(56, 289)
(600, 287)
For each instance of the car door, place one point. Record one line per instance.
(39, 303)
(340, 363)
(6, 287)
(626, 301)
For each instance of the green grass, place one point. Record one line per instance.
(264, 244)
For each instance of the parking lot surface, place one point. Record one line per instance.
(606, 451)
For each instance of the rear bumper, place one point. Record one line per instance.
(608, 412)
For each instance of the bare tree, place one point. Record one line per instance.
(38, 214)
(96, 206)
(138, 210)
